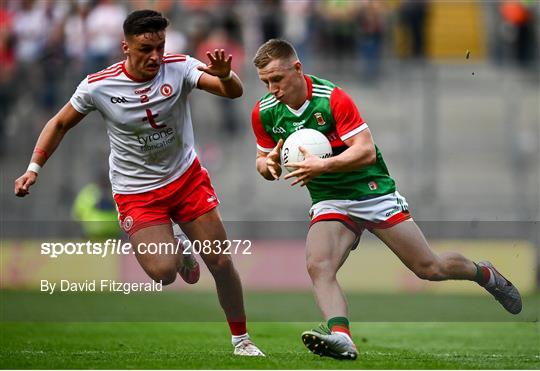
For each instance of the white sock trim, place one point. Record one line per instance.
(236, 339)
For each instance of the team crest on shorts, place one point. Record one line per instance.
(128, 223)
(373, 185)
(166, 90)
(319, 118)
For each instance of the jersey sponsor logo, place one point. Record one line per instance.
(320, 119)
(166, 90)
(299, 125)
(155, 136)
(115, 100)
(278, 130)
(394, 210)
(373, 185)
(150, 117)
(157, 141)
(211, 199)
(142, 91)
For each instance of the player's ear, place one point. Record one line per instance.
(125, 47)
(298, 66)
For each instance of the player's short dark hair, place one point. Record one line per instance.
(274, 49)
(140, 22)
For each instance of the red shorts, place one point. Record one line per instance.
(183, 200)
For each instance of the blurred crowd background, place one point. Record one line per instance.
(450, 90)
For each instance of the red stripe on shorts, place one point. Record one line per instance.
(349, 223)
(390, 222)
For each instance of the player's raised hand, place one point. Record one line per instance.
(219, 65)
(273, 160)
(24, 182)
(306, 170)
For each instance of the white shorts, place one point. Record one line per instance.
(375, 213)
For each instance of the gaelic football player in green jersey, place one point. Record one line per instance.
(351, 191)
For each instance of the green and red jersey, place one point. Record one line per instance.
(331, 111)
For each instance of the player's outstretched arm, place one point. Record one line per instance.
(268, 164)
(218, 77)
(48, 140)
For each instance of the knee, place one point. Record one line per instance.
(319, 269)
(431, 270)
(221, 265)
(166, 274)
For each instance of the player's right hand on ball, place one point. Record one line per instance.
(273, 160)
(24, 182)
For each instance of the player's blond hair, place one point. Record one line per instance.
(274, 49)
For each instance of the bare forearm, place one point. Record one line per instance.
(351, 159)
(48, 141)
(54, 131)
(232, 88)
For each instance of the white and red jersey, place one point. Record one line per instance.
(148, 122)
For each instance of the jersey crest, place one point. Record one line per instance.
(320, 119)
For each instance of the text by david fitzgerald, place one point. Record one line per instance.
(100, 286)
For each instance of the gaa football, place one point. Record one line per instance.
(312, 140)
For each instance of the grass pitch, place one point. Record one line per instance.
(406, 331)
(206, 346)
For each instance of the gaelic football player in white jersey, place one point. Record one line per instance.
(154, 171)
(350, 192)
